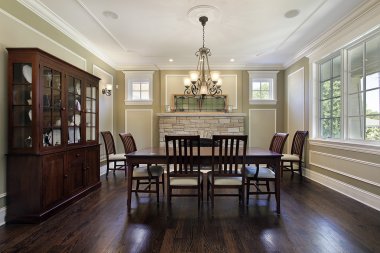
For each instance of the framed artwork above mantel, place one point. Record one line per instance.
(199, 103)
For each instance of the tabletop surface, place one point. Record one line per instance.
(205, 151)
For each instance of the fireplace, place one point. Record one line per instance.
(203, 124)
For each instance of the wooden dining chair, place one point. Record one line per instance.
(183, 166)
(227, 166)
(258, 175)
(295, 155)
(117, 159)
(143, 175)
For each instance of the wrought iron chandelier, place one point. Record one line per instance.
(202, 81)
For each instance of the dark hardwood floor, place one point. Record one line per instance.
(313, 219)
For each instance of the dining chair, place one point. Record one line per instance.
(227, 166)
(143, 175)
(117, 159)
(258, 175)
(295, 155)
(183, 166)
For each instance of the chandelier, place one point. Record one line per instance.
(202, 81)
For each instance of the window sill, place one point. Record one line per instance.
(359, 146)
(138, 102)
(262, 102)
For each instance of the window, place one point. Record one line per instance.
(358, 118)
(139, 87)
(330, 98)
(262, 87)
(363, 90)
(140, 90)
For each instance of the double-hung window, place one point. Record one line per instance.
(138, 87)
(330, 90)
(363, 90)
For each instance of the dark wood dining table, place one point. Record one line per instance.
(157, 155)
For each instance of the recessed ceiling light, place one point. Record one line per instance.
(292, 13)
(171, 60)
(110, 14)
(232, 60)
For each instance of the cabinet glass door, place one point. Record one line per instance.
(74, 113)
(22, 105)
(91, 111)
(51, 107)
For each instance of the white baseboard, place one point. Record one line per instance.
(367, 198)
(2, 215)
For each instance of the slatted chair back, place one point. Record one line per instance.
(228, 154)
(128, 142)
(183, 154)
(298, 143)
(109, 143)
(278, 142)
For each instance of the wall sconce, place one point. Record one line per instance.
(107, 90)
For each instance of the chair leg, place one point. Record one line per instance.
(163, 183)
(212, 195)
(108, 168)
(300, 168)
(282, 168)
(158, 189)
(242, 194)
(267, 184)
(199, 196)
(168, 192)
(208, 190)
(291, 168)
(248, 187)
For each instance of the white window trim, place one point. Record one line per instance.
(138, 76)
(344, 143)
(263, 75)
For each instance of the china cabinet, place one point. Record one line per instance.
(53, 146)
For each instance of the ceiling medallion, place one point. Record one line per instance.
(211, 12)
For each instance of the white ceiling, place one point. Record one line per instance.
(147, 33)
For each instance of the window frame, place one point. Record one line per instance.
(261, 76)
(331, 97)
(345, 78)
(132, 77)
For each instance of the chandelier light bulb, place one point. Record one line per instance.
(219, 83)
(187, 82)
(214, 76)
(194, 76)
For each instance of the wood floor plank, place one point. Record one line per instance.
(313, 219)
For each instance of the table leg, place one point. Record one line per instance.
(277, 182)
(129, 197)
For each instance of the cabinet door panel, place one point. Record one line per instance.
(92, 166)
(74, 175)
(53, 178)
(51, 101)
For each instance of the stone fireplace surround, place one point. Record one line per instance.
(204, 124)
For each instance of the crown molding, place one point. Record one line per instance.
(340, 26)
(214, 67)
(41, 10)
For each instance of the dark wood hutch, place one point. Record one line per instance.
(53, 131)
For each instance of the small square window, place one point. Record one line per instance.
(139, 87)
(262, 87)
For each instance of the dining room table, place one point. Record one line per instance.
(157, 155)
